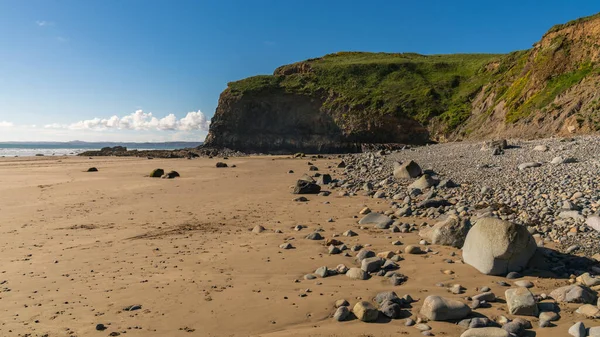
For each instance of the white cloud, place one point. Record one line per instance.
(4, 124)
(43, 23)
(140, 121)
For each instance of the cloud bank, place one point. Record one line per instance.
(4, 124)
(140, 121)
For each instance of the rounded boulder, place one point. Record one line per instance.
(497, 247)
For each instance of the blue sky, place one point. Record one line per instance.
(153, 70)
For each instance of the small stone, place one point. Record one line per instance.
(513, 275)
(341, 314)
(437, 308)
(549, 316)
(371, 264)
(341, 269)
(485, 297)
(342, 303)
(314, 236)
(589, 310)
(286, 245)
(322, 271)
(422, 327)
(349, 233)
(365, 211)
(365, 311)
(573, 294)
(578, 330)
(391, 309)
(258, 229)
(356, 274)
(486, 332)
(411, 249)
(520, 301)
(524, 284)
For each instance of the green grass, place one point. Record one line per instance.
(554, 87)
(556, 28)
(367, 85)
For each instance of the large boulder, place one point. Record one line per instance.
(437, 308)
(450, 232)
(573, 294)
(407, 170)
(497, 247)
(520, 301)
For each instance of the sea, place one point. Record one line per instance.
(30, 149)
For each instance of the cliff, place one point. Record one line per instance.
(338, 102)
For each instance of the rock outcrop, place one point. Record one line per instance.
(342, 102)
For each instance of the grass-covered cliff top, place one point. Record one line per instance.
(411, 85)
(561, 26)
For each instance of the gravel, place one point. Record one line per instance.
(552, 200)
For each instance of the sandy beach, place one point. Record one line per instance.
(78, 248)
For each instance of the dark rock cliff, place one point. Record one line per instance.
(281, 122)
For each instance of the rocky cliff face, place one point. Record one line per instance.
(282, 122)
(340, 101)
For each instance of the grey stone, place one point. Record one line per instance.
(314, 236)
(349, 233)
(450, 232)
(342, 303)
(406, 170)
(486, 332)
(577, 330)
(520, 301)
(341, 314)
(423, 183)
(306, 187)
(497, 247)
(391, 309)
(356, 274)
(364, 253)
(437, 308)
(379, 220)
(524, 283)
(411, 249)
(573, 294)
(365, 311)
(322, 272)
(371, 264)
(524, 166)
(487, 297)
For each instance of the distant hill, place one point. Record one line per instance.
(337, 102)
(99, 145)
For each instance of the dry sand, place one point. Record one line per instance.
(76, 248)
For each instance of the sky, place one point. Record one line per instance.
(152, 70)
